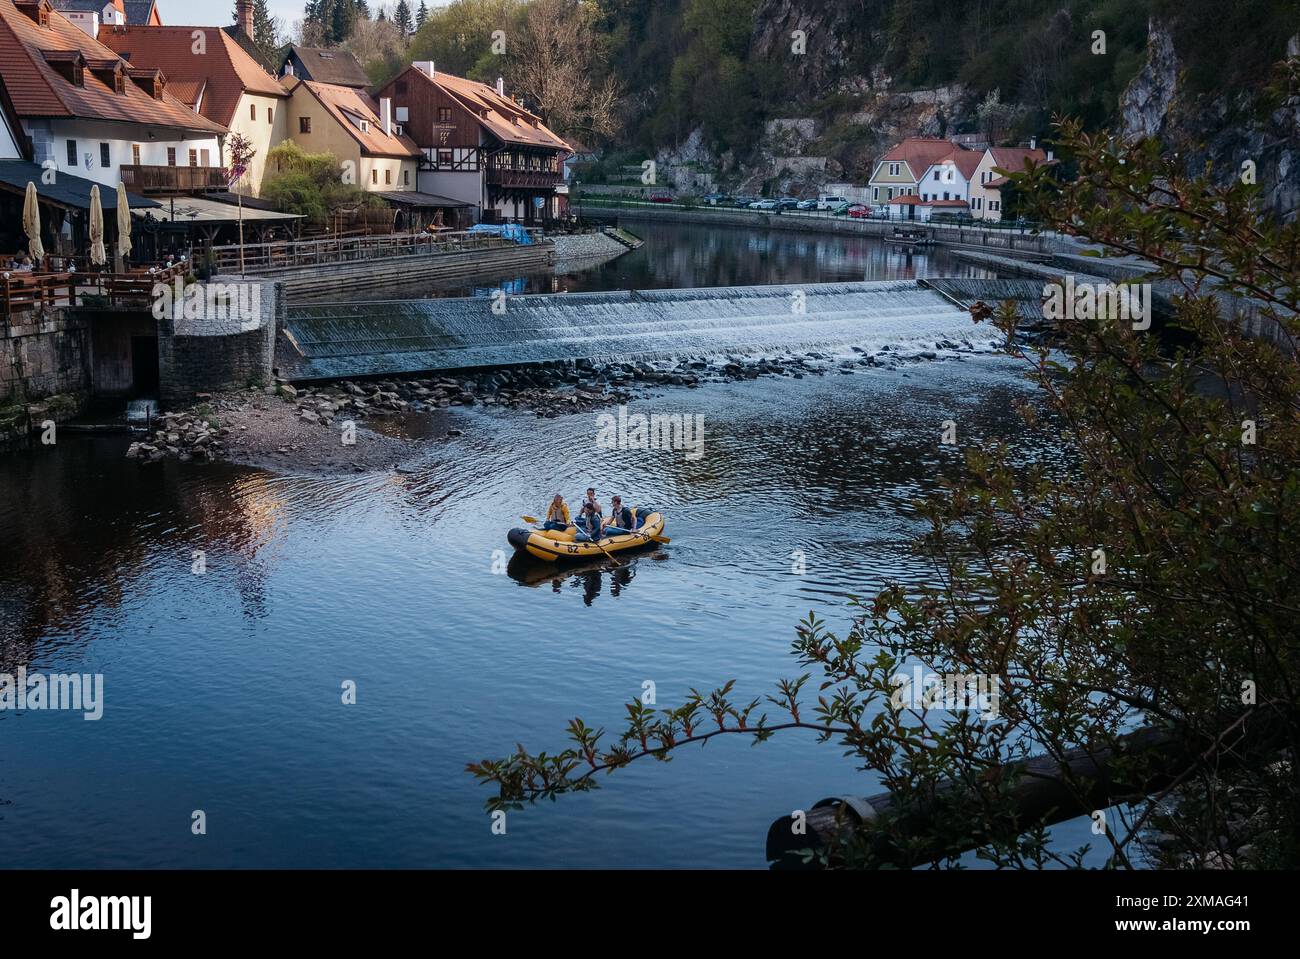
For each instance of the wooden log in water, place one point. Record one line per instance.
(1041, 795)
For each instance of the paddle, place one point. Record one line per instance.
(637, 532)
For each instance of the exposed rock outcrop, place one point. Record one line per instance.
(1221, 132)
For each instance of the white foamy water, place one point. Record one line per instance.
(408, 335)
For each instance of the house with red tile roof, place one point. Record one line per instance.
(987, 202)
(900, 171)
(90, 113)
(949, 178)
(372, 149)
(479, 146)
(217, 78)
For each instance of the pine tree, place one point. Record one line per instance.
(402, 17)
(421, 15)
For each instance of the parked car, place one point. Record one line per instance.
(743, 202)
(840, 209)
(786, 203)
(763, 205)
(859, 211)
(661, 198)
(830, 201)
(716, 199)
(806, 205)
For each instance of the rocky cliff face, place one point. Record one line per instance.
(1222, 131)
(828, 28)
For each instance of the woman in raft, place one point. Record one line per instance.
(557, 514)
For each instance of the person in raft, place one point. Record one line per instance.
(557, 514)
(591, 498)
(588, 523)
(620, 517)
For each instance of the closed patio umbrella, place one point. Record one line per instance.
(123, 226)
(32, 224)
(98, 256)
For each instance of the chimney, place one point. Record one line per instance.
(1033, 143)
(424, 66)
(501, 87)
(288, 68)
(386, 115)
(244, 16)
(1049, 155)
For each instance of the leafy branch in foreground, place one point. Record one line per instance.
(1142, 575)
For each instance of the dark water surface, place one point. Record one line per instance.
(223, 690)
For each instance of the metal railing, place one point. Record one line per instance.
(291, 254)
(1005, 226)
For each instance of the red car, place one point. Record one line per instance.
(860, 212)
(662, 198)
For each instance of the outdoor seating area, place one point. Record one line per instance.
(22, 292)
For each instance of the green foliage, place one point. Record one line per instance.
(458, 37)
(1182, 472)
(309, 183)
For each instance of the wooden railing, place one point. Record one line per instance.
(24, 292)
(523, 179)
(289, 254)
(172, 179)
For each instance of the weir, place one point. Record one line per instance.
(336, 340)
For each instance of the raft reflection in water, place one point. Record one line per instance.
(587, 577)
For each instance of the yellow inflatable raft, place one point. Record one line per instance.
(561, 546)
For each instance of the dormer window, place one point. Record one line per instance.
(148, 79)
(38, 11)
(110, 72)
(69, 64)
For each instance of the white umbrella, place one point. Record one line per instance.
(98, 255)
(32, 224)
(123, 223)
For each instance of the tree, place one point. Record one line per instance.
(402, 17)
(378, 47)
(266, 29)
(310, 184)
(1144, 578)
(555, 63)
(459, 37)
(421, 15)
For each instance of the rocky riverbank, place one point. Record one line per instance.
(357, 425)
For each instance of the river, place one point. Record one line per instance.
(223, 689)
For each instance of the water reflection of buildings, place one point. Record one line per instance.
(69, 555)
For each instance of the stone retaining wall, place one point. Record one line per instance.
(220, 352)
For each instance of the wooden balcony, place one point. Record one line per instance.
(524, 179)
(173, 179)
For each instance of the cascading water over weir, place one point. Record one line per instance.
(331, 340)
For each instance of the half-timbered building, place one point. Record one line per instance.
(479, 146)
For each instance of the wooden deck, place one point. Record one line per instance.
(22, 293)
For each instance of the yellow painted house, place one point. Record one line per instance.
(373, 151)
